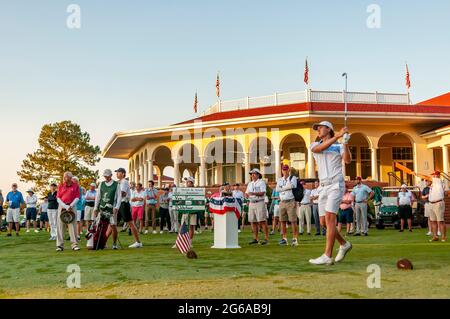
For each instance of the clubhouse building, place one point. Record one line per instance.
(390, 138)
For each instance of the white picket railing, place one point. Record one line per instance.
(307, 96)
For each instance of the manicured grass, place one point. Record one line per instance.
(30, 268)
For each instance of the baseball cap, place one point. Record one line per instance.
(121, 170)
(107, 172)
(404, 186)
(323, 123)
(285, 167)
(436, 173)
(30, 191)
(189, 179)
(359, 177)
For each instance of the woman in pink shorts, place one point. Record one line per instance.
(138, 205)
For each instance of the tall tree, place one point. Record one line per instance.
(62, 147)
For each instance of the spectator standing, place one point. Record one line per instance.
(150, 207)
(426, 204)
(14, 199)
(437, 208)
(346, 211)
(304, 212)
(257, 212)
(276, 211)
(31, 211)
(172, 212)
(89, 204)
(43, 215)
(362, 194)
(52, 210)
(404, 200)
(288, 206)
(240, 198)
(138, 197)
(164, 211)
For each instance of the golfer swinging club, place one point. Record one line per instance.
(329, 155)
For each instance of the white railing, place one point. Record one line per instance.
(308, 96)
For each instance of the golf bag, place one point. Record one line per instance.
(96, 236)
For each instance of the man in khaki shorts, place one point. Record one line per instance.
(257, 210)
(288, 206)
(437, 207)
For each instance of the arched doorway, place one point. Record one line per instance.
(395, 148)
(294, 153)
(262, 157)
(361, 157)
(224, 159)
(162, 158)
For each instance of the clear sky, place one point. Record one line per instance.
(137, 64)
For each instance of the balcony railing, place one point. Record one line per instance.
(308, 96)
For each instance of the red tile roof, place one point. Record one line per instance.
(443, 100)
(321, 106)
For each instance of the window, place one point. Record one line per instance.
(365, 153)
(402, 153)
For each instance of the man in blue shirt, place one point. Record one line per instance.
(14, 200)
(362, 194)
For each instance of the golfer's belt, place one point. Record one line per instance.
(329, 181)
(256, 201)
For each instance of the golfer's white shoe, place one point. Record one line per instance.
(135, 245)
(322, 260)
(154, 232)
(429, 233)
(343, 250)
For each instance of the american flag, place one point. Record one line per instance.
(195, 103)
(218, 86)
(408, 80)
(306, 75)
(183, 242)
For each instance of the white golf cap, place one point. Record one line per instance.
(323, 123)
(404, 186)
(30, 191)
(107, 172)
(189, 179)
(93, 184)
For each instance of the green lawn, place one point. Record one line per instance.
(30, 268)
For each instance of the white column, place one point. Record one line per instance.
(445, 163)
(160, 178)
(145, 177)
(247, 168)
(176, 171)
(277, 164)
(202, 172)
(374, 164)
(219, 174)
(150, 170)
(238, 173)
(311, 165)
(136, 175)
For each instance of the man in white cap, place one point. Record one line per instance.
(288, 206)
(404, 201)
(257, 210)
(108, 202)
(329, 156)
(89, 204)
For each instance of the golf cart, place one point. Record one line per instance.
(388, 214)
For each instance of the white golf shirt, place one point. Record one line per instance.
(437, 190)
(306, 197)
(31, 201)
(136, 194)
(256, 187)
(405, 198)
(329, 161)
(124, 186)
(315, 192)
(238, 194)
(285, 186)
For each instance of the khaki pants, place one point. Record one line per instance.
(60, 231)
(304, 213)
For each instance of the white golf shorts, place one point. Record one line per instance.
(78, 215)
(12, 215)
(330, 197)
(89, 213)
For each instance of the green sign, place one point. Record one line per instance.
(188, 200)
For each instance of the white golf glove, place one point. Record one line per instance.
(346, 138)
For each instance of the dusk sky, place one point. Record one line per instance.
(137, 64)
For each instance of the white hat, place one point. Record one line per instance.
(255, 170)
(30, 191)
(189, 179)
(93, 184)
(404, 186)
(323, 123)
(107, 172)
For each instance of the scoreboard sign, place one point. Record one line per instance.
(188, 200)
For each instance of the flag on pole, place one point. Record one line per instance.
(195, 102)
(218, 86)
(408, 80)
(183, 242)
(306, 74)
